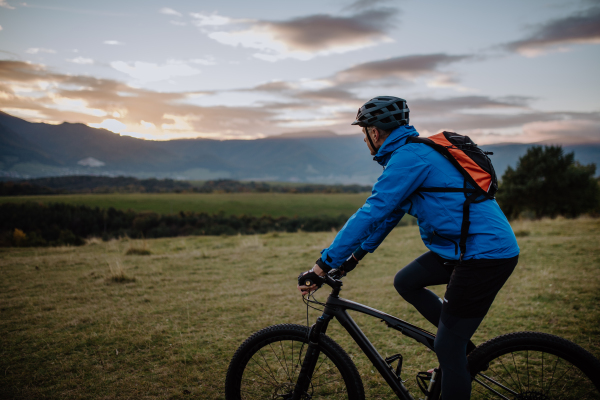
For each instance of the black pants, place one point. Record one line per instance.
(472, 287)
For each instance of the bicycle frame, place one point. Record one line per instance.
(338, 307)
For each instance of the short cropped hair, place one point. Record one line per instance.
(383, 133)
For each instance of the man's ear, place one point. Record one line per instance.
(376, 134)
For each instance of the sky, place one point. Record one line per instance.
(510, 71)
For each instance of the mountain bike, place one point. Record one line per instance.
(293, 362)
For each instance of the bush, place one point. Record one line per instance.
(547, 182)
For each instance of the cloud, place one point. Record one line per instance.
(4, 4)
(37, 93)
(301, 38)
(203, 20)
(169, 11)
(113, 42)
(36, 50)
(462, 103)
(150, 72)
(317, 33)
(81, 60)
(327, 95)
(360, 5)
(208, 60)
(111, 125)
(580, 28)
(404, 67)
(492, 120)
(33, 91)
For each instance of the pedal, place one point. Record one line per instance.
(426, 381)
(423, 379)
(393, 358)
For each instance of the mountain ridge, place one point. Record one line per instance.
(29, 150)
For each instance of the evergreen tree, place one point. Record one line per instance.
(547, 182)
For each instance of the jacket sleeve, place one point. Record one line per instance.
(404, 173)
(374, 240)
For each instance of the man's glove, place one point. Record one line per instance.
(310, 278)
(349, 264)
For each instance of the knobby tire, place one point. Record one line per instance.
(533, 366)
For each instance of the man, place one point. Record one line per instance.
(473, 278)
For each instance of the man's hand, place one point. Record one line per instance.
(307, 289)
(349, 264)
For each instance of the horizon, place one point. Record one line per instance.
(508, 73)
(314, 135)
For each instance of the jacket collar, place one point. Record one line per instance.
(396, 139)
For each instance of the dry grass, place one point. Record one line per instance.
(69, 331)
(116, 274)
(135, 249)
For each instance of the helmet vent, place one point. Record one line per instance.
(400, 105)
(399, 117)
(370, 105)
(391, 107)
(377, 112)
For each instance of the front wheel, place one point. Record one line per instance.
(267, 364)
(533, 366)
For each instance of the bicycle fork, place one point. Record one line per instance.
(311, 357)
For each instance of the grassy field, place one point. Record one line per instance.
(256, 204)
(94, 323)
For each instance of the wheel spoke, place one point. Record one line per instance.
(267, 372)
(285, 360)
(527, 367)
(262, 379)
(278, 360)
(543, 377)
(553, 372)
(502, 376)
(517, 372)
(543, 391)
(508, 372)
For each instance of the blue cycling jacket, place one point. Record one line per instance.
(406, 167)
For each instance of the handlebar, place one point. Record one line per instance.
(333, 278)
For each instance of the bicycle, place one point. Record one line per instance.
(292, 362)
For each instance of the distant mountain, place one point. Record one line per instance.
(29, 150)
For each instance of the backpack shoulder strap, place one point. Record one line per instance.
(445, 151)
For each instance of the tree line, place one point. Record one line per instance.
(59, 224)
(121, 184)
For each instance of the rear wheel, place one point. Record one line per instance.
(533, 366)
(267, 364)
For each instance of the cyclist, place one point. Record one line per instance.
(472, 281)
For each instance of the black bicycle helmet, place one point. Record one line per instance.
(383, 112)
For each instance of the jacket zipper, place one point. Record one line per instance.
(445, 238)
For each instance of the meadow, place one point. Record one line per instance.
(255, 204)
(99, 322)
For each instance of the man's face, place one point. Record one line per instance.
(371, 149)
